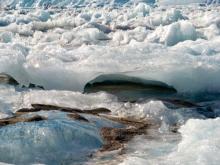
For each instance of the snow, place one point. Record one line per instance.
(180, 2)
(48, 47)
(200, 137)
(74, 3)
(63, 45)
(199, 145)
(172, 34)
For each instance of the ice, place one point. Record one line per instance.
(57, 139)
(170, 16)
(43, 15)
(174, 33)
(70, 3)
(199, 145)
(200, 137)
(142, 9)
(6, 37)
(1, 163)
(63, 45)
(73, 3)
(13, 100)
(69, 99)
(10, 100)
(179, 2)
(151, 109)
(48, 142)
(27, 142)
(48, 47)
(40, 66)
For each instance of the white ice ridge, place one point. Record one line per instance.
(66, 49)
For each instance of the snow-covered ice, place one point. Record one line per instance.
(63, 45)
(199, 145)
(47, 47)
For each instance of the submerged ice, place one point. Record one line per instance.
(51, 142)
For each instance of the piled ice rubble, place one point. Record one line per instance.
(67, 3)
(200, 137)
(38, 44)
(83, 3)
(65, 49)
(199, 145)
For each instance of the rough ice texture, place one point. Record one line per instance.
(62, 50)
(67, 3)
(13, 100)
(176, 32)
(48, 142)
(199, 145)
(174, 46)
(200, 137)
(79, 3)
(180, 2)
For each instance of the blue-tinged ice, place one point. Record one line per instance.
(48, 142)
